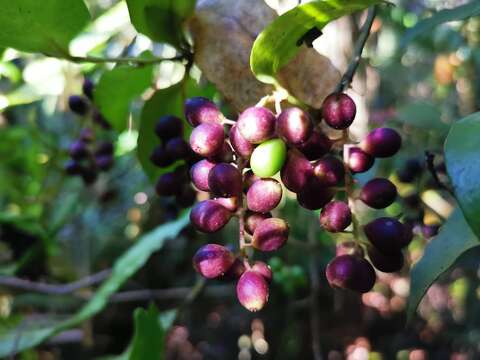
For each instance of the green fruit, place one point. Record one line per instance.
(268, 158)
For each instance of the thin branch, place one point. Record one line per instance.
(314, 293)
(357, 51)
(123, 60)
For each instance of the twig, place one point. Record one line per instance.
(314, 293)
(123, 60)
(357, 51)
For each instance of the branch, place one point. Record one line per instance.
(357, 51)
(124, 60)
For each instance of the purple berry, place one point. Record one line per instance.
(294, 126)
(263, 269)
(73, 167)
(359, 161)
(252, 290)
(160, 157)
(200, 110)
(104, 148)
(78, 150)
(213, 260)
(89, 175)
(209, 216)
(253, 219)
(330, 171)
(241, 146)
(385, 263)
(225, 180)
(87, 88)
(169, 127)
(235, 271)
(186, 197)
(316, 146)
(351, 272)
(388, 235)
(104, 162)
(199, 174)
(296, 171)
(224, 155)
(168, 184)
(314, 195)
(378, 193)
(78, 104)
(338, 111)
(230, 203)
(256, 124)
(270, 235)
(87, 135)
(207, 139)
(177, 148)
(248, 179)
(335, 216)
(264, 195)
(382, 142)
(410, 171)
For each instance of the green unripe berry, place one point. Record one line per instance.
(268, 158)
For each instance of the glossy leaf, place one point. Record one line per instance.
(455, 238)
(422, 115)
(463, 166)
(41, 26)
(277, 43)
(135, 257)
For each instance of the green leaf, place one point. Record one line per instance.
(41, 26)
(124, 268)
(454, 239)
(149, 338)
(422, 115)
(426, 26)
(117, 88)
(463, 166)
(277, 43)
(161, 20)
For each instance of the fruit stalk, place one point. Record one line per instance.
(349, 186)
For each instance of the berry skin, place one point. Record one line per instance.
(199, 174)
(224, 155)
(338, 111)
(388, 235)
(186, 197)
(411, 170)
(225, 180)
(87, 88)
(270, 235)
(160, 157)
(168, 184)
(104, 162)
(235, 271)
(351, 272)
(296, 171)
(264, 195)
(294, 126)
(73, 167)
(200, 110)
(335, 216)
(177, 148)
(385, 263)
(330, 171)
(241, 146)
(78, 150)
(230, 203)
(268, 158)
(207, 139)
(256, 124)
(248, 179)
(209, 216)
(382, 143)
(263, 269)
(169, 127)
(378, 193)
(252, 290)
(253, 219)
(213, 260)
(104, 148)
(314, 195)
(316, 146)
(359, 161)
(78, 104)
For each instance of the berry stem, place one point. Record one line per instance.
(241, 219)
(349, 187)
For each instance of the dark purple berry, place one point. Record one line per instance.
(168, 184)
(382, 142)
(73, 167)
(89, 175)
(235, 271)
(87, 88)
(177, 148)
(378, 193)
(314, 195)
(335, 216)
(264, 195)
(207, 139)
(256, 124)
(248, 179)
(294, 126)
(213, 260)
(351, 272)
(78, 104)
(316, 146)
(296, 171)
(169, 127)
(87, 135)
(385, 263)
(359, 161)
(104, 162)
(253, 219)
(225, 180)
(104, 148)
(199, 174)
(160, 157)
(230, 203)
(252, 290)
(209, 216)
(270, 235)
(200, 110)
(241, 146)
(263, 269)
(78, 150)
(329, 170)
(388, 235)
(410, 171)
(186, 197)
(339, 110)
(224, 155)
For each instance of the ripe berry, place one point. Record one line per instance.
(169, 127)
(386, 263)
(230, 203)
(209, 216)
(87, 88)
(378, 193)
(388, 235)
(351, 272)
(335, 216)
(104, 148)
(87, 135)
(253, 219)
(78, 104)
(213, 260)
(168, 184)
(78, 150)
(252, 290)
(199, 174)
(314, 195)
(271, 234)
(264, 195)
(186, 197)
(294, 126)
(316, 146)
(410, 171)
(177, 148)
(339, 110)
(207, 139)
(241, 146)
(296, 171)
(359, 161)
(200, 110)
(248, 179)
(329, 170)
(382, 142)
(89, 175)
(104, 162)
(256, 124)
(225, 180)
(224, 155)
(268, 158)
(263, 269)
(160, 157)
(73, 167)
(235, 271)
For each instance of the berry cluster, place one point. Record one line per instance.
(88, 156)
(240, 162)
